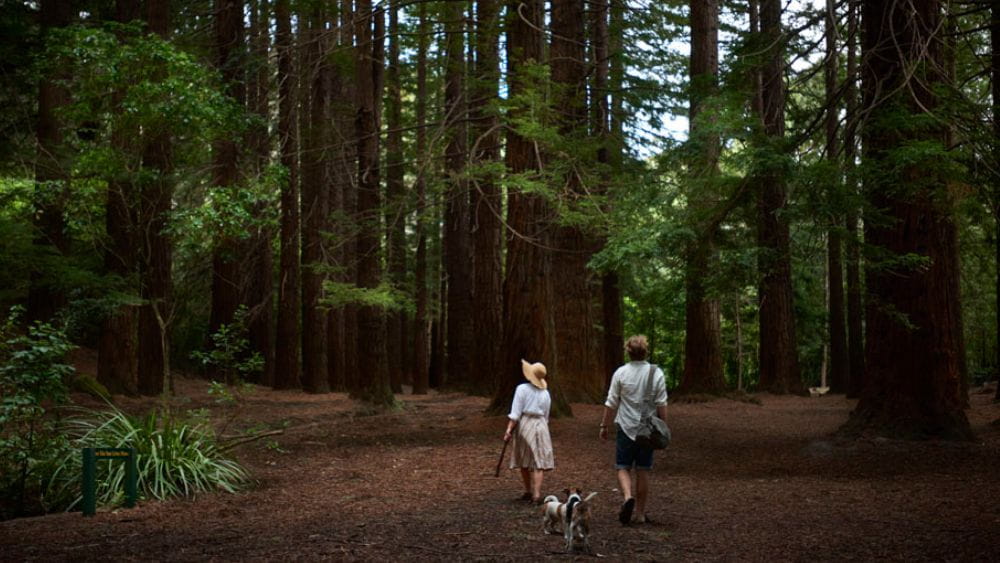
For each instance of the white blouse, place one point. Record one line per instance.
(530, 400)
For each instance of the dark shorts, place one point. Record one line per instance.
(629, 455)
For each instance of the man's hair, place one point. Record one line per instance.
(637, 347)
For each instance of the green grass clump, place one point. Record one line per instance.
(175, 456)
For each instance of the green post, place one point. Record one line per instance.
(89, 482)
(131, 479)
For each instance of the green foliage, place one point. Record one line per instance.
(230, 352)
(384, 296)
(175, 456)
(33, 379)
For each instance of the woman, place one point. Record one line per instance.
(529, 413)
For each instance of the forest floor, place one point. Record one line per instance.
(741, 481)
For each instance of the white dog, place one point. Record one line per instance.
(570, 518)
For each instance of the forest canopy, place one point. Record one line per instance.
(383, 198)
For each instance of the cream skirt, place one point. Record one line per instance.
(532, 444)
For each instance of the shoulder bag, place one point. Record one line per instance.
(653, 432)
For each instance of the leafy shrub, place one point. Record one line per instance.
(32, 380)
(230, 352)
(174, 456)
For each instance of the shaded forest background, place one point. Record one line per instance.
(372, 198)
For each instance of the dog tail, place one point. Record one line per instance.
(590, 496)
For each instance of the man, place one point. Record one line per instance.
(628, 396)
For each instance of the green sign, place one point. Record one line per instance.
(90, 457)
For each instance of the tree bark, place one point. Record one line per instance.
(343, 350)
(914, 340)
(611, 302)
(374, 387)
(839, 362)
(575, 363)
(259, 268)
(459, 261)
(703, 343)
(51, 189)
(117, 358)
(995, 89)
(156, 260)
(779, 366)
(528, 322)
(395, 216)
(855, 306)
(487, 204)
(421, 336)
(226, 257)
(287, 358)
(315, 202)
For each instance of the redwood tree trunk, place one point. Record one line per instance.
(259, 268)
(343, 350)
(915, 346)
(395, 216)
(459, 261)
(855, 307)
(703, 343)
(839, 375)
(117, 358)
(422, 327)
(286, 375)
(374, 386)
(995, 86)
(576, 363)
(315, 200)
(157, 249)
(44, 299)
(528, 322)
(225, 160)
(487, 205)
(611, 302)
(779, 365)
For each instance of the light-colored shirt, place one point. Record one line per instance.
(628, 394)
(531, 400)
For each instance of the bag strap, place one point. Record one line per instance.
(649, 385)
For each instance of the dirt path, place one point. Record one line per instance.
(741, 482)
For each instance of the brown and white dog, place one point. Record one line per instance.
(570, 518)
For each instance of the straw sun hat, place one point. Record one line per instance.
(535, 374)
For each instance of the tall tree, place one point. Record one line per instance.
(374, 387)
(703, 339)
(779, 364)
(529, 326)
(51, 190)
(117, 358)
(608, 31)
(855, 307)
(315, 201)
(459, 261)
(156, 254)
(486, 197)
(395, 216)
(839, 365)
(576, 358)
(229, 59)
(915, 346)
(343, 350)
(995, 91)
(421, 336)
(287, 358)
(259, 267)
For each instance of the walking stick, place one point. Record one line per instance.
(500, 461)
